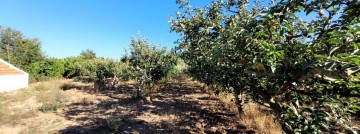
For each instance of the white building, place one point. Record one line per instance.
(11, 77)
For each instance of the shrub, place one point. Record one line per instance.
(113, 122)
(106, 70)
(127, 72)
(179, 68)
(50, 107)
(72, 66)
(53, 67)
(152, 64)
(49, 68)
(52, 99)
(89, 67)
(35, 70)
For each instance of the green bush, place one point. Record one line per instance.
(179, 68)
(81, 66)
(106, 71)
(35, 70)
(127, 72)
(50, 107)
(88, 68)
(151, 63)
(106, 68)
(53, 67)
(49, 68)
(113, 122)
(73, 67)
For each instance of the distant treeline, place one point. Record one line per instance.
(26, 53)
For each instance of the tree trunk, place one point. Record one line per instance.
(238, 101)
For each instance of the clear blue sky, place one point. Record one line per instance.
(66, 27)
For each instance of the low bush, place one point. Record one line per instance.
(106, 70)
(51, 100)
(113, 122)
(49, 68)
(73, 66)
(49, 107)
(88, 69)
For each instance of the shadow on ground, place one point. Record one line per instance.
(179, 107)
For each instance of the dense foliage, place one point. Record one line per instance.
(151, 63)
(18, 50)
(48, 68)
(26, 54)
(105, 69)
(306, 72)
(73, 66)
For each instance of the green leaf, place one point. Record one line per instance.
(280, 54)
(334, 41)
(287, 25)
(282, 31)
(308, 11)
(266, 45)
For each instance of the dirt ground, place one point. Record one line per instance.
(182, 106)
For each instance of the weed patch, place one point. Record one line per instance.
(113, 122)
(49, 107)
(51, 100)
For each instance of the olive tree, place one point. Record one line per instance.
(306, 72)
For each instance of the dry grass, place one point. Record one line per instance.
(259, 121)
(52, 106)
(256, 119)
(155, 118)
(181, 106)
(254, 116)
(19, 106)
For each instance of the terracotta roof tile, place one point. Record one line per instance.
(7, 70)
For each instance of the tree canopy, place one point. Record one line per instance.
(151, 63)
(306, 72)
(17, 49)
(88, 54)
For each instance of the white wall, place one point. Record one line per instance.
(13, 82)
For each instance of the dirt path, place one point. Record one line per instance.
(180, 107)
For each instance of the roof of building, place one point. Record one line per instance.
(8, 69)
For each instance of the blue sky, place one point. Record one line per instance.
(66, 27)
